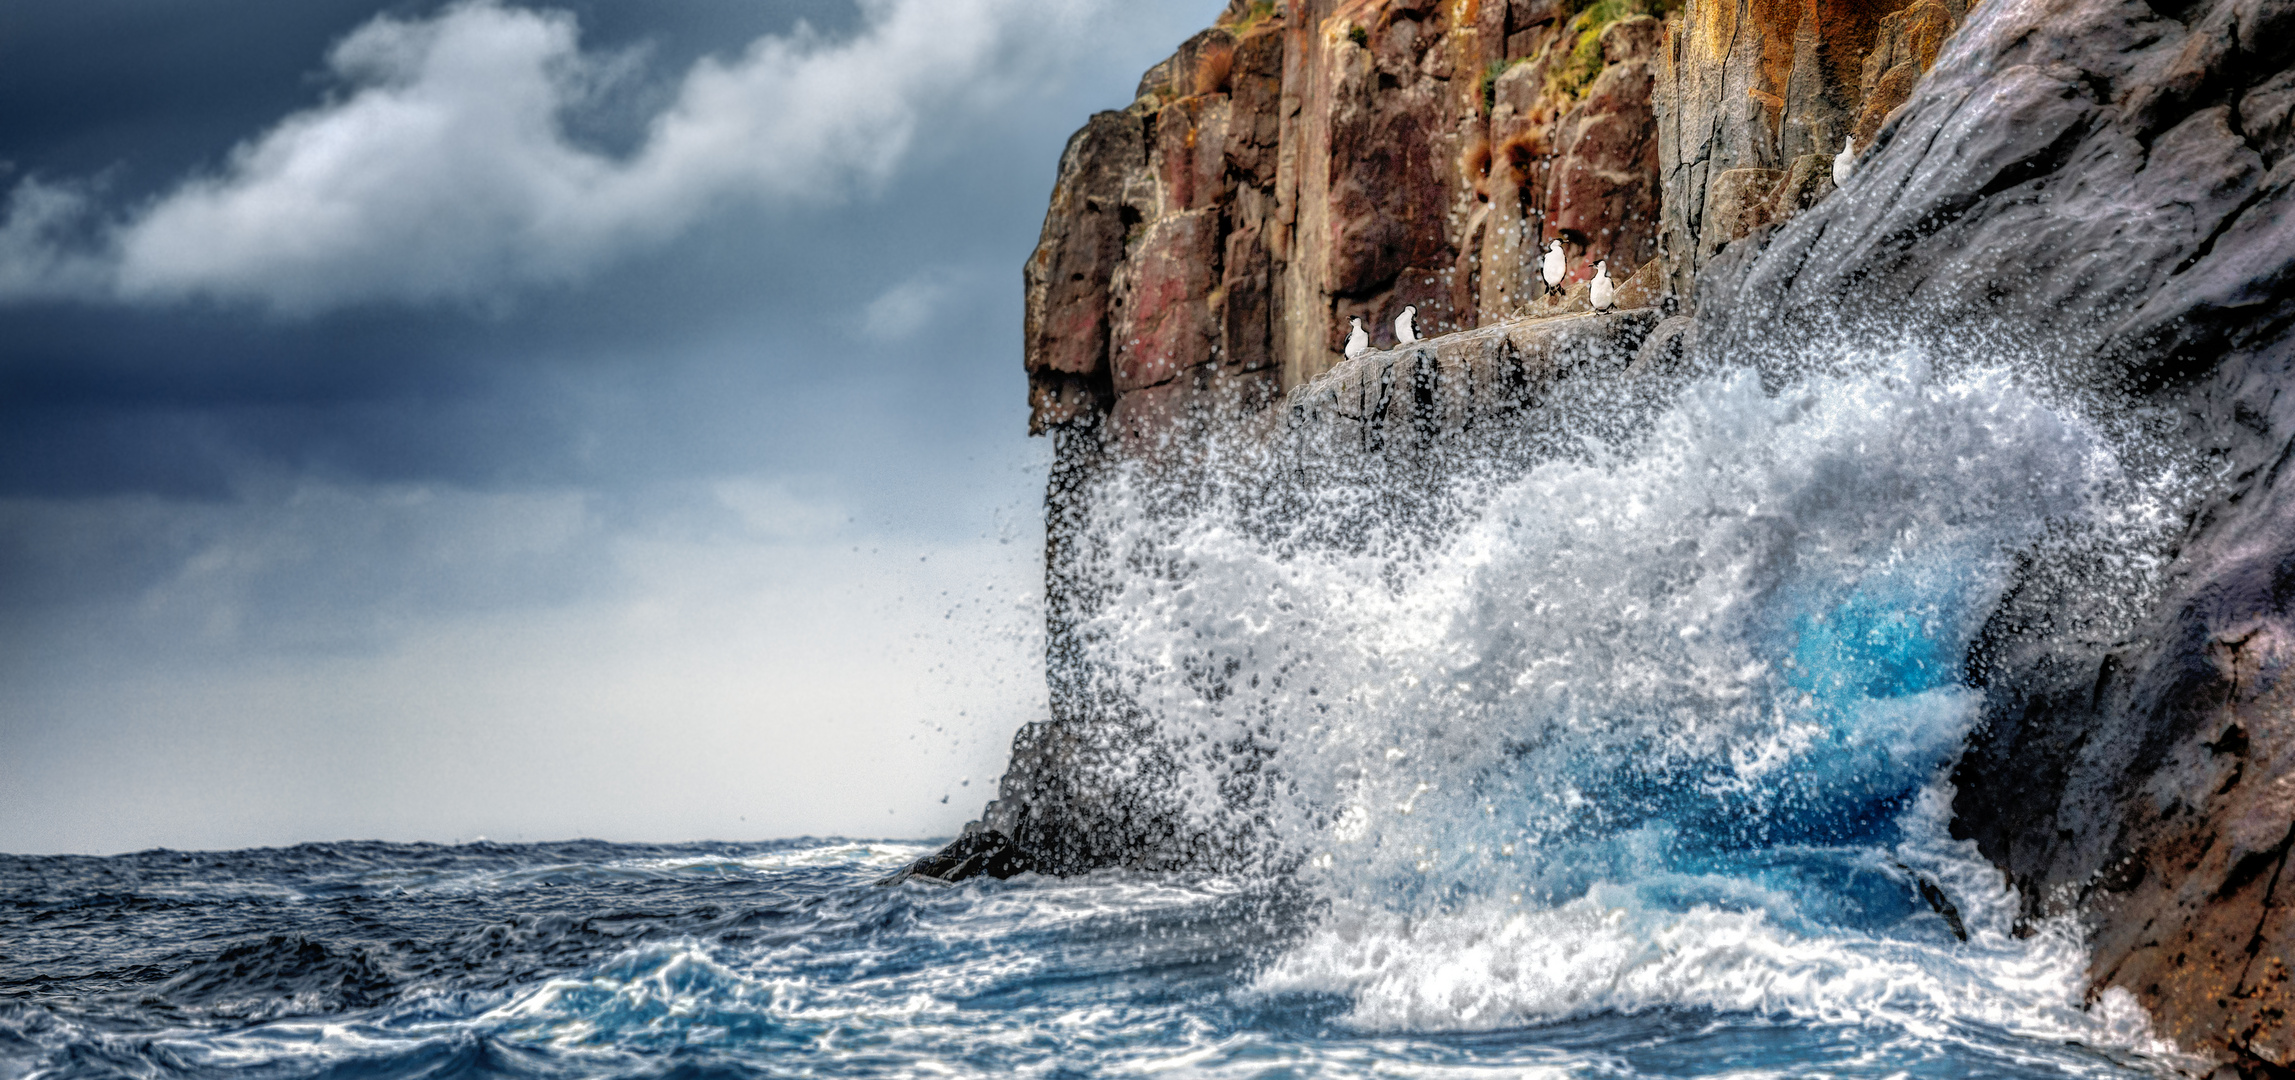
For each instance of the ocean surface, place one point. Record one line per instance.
(1622, 754)
(788, 959)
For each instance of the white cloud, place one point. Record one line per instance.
(442, 170)
(899, 312)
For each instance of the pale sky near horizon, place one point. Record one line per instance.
(587, 418)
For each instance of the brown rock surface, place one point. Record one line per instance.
(1276, 177)
(1602, 192)
(1353, 156)
(1904, 47)
(1764, 84)
(1068, 276)
(1161, 325)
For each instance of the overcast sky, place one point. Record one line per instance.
(600, 418)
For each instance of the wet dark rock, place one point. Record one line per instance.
(2140, 780)
(2018, 194)
(2076, 184)
(1934, 896)
(1068, 275)
(1446, 387)
(982, 853)
(1667, 349)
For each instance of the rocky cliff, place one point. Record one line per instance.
(1297, 166)
(2107, 184)
(2103, 182)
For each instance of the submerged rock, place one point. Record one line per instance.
(980, 853)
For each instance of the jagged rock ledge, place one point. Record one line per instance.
(1455, 382)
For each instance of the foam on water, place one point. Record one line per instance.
(1725, 944)
(808, 970)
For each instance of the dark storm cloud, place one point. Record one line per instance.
(717, 511)
(762, 305)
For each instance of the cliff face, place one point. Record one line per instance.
(1760, 95)
(2106, 184)
(1294, 167)
(2103, 183)
(1302, 164)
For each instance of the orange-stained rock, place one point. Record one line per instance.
(1191, 152)
(1348, 157)
(1200, 66)
(1904, 48)
(1761, 84)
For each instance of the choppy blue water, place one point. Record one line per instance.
(784, 959)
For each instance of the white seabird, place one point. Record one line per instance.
(1358, 342)
(1554, 266)
(1845, 162)
(1405, 331)
(1604, 294)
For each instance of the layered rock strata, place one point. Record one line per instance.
(1303, 164)
(1295, 167)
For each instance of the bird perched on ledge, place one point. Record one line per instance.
(1405, 330)
(1845, 162)
(1604, 294)
(1358, 342)
(1552, 267)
